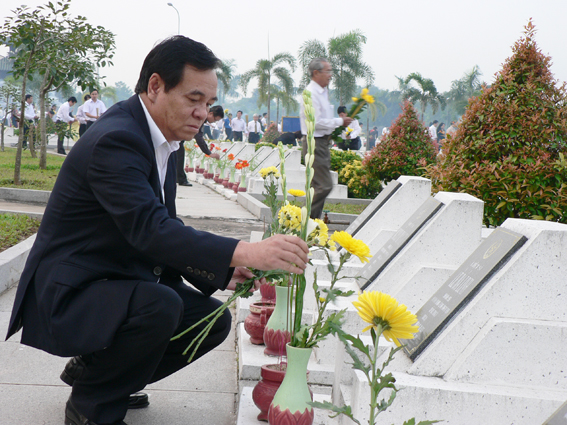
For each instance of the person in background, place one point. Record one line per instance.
(372, 136)
(351, 136)
(433, 130)
(62, 120)
(288, 138)
(29, 117)
(325, 123)
(238, 127)
(228, 127)
(82, 117)
(52, 113)
(452, 130)
(441, 135)
(93, 108)
(254, 130)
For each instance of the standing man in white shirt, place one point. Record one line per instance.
(82, 117)
(254, 129)
(29, 116)
(62, 121)
(321, 73)
(93, 108)
(238, 127)
(433, 131)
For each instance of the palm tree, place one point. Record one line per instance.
(465, 88)
(265, 69)
(344, 53)
(288, 102)
(225, 76)
(425, 93)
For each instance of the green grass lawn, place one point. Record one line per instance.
(334, 208)
(31, 175)
(14, 228)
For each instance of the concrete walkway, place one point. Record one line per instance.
(204, 393)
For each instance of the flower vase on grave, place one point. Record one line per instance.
(242, 186)
(211, 170)
(255, 322)
(231, 179)
(271, 377)
(189, 168)
(224, 177)
(268, 291)
(276, 333)
(290, 404)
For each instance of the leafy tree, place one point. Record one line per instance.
(61, 48)
(465, 88)
(123, 91)
(344, 53)
(510, 148)
(423, 91)
(109, 93)
(225, 76)
(8, 95)
(265, 69)
(405, 150)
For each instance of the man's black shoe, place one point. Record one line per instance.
(74, 417)
(185, 184)
(74, 369)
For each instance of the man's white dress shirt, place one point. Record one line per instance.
(238, 124)
(433, 132)
(91, 108)
(63, 113)
(254, 127)
(325, 122)
(29, 112)
(162, 147)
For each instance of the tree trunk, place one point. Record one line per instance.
(269, 100)
(32, 136)
(42, 123)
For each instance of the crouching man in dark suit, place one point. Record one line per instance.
(103, 281)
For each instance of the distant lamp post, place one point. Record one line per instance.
(178, 18)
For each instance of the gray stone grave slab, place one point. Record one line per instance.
(379, 261)
(448, 300)
(559, 417)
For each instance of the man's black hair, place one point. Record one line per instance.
(434, 122)
(86, 97)
(341, 109)
(240, 112)
(169, 58)
(217, 111)
(28, 96)
(72, 99)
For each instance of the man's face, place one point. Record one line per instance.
(255, 117)
(71, 103)
(94, 95)
(323, 76)
(180, 112)
(210, 117)
(238, 115)
(342, 114)
(30, 100)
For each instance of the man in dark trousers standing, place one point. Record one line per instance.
(103, 281)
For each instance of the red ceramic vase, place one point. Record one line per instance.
(241, 189)
(268, 291)
(255, 322)
(272, 376)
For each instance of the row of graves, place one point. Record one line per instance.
(264, 157)
(491, 305)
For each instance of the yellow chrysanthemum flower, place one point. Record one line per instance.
(368, 98)
(352, 245)
(270, 171)
(296, 192)
(381, 309)
(364, 92)
(355, 99)
(320, 236)
(290, 217)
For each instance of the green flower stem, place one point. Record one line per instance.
(282, 171)
(375, 375)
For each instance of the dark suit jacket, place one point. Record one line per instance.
(104, 230)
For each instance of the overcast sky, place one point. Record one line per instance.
(441, 39)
